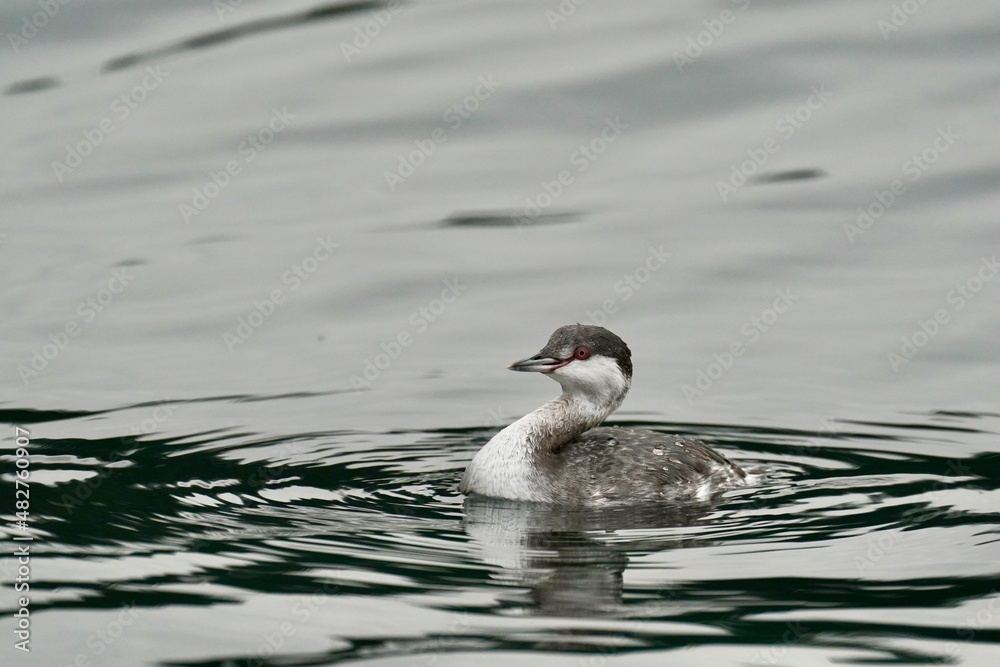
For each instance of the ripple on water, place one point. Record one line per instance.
(833, 523)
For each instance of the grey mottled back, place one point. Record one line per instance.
(613, 463)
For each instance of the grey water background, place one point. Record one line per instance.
(254, 366)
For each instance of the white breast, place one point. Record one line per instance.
(504, 467)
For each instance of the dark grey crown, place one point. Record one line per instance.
(565, 339)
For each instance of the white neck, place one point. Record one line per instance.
(508, 465)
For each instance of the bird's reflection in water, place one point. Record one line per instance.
(572, 560)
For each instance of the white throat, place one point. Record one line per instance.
(507, 466)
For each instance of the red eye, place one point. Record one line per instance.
(581, 352)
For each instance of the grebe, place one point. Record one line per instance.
(556, 455)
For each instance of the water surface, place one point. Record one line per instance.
(258, 330)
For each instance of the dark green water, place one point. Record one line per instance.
(263, 272)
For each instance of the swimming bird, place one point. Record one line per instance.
(559, 454)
